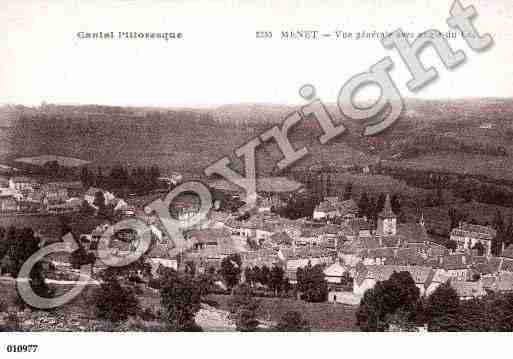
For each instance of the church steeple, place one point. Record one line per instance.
(387, 220)
(387, 209)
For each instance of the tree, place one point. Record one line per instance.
(380, 203)
(501, 313)
(114, 301)
(451, 245)
(498, 225)
(99, 201)
(22, 244)
(311, 283)
(363, 205)
(276, 283)
(37, 282)
(244, 309)
(80, 257)
(396, 206)
(402, 292)
(86, 210)
(265, 276)
(442, 309)
(249, 276)
(508, 238)
(256, 274)
(231, 269)
(395, 299)
(369, 317)
(181, 300)
(87, 177)
(348, 191)
(292, 321)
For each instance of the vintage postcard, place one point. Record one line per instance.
(254, 166)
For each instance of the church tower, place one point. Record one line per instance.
(387, 220)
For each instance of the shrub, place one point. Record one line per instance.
(292, 321)
(115, 302)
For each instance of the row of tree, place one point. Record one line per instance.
(273, 278)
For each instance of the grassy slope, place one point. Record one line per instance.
(321, 316)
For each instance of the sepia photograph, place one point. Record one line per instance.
(268, 167)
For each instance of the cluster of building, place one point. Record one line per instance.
(25, 195)
(353, 249)
(354, 253)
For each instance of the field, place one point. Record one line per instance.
(321, 316)
(61, 160)
(494, 167)
(376, 184)
(189, 140)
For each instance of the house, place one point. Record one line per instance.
(468, 290)
(159, 255)
(335, 273)
(458, 266)
(269, 203)
(332, 207)
(357, 228)
(22, 183)
(348, 209)
(8, 204)
(503, 282)
(471, 236)
(367, 277)
(54, 193)
(4, 182)
(90, 195)
(10, 192)
(73, 188)
(439, 277)
(119, 204)
(340, 285)
(324, 210)
(281, 239)
(214, 243)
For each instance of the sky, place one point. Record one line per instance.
(220, 61)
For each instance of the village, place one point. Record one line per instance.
(353, 251)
